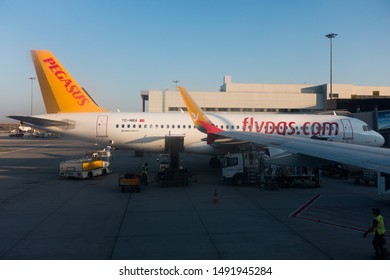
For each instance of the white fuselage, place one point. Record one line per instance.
(147, 131)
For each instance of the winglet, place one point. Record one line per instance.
(199, 118)
(60, 92)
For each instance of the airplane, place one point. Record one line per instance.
(71, 111)
(24, 128)
(364, 156)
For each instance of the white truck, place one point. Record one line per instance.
(253, 167)
(84, 168)
(241, 168)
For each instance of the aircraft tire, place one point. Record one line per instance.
(239, 180)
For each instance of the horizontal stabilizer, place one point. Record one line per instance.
(39, 121)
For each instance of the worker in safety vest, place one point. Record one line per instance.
(378, 229)
(144, 174)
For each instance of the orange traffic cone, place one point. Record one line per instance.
(215, 199)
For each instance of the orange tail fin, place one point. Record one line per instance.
(196, 113)
(60, 92)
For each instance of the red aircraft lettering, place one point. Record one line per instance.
(68, 83)
(283, 128)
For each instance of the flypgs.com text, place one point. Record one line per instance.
(290, 128)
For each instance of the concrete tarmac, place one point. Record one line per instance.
(43, 216)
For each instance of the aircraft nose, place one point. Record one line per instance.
(379, 140)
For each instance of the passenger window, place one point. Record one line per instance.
(134, 126)
(167, 125)
(156, 126)
(117, 126)
(123, 126)
(178, 126)
(173, 126)
(162, 126)
(184, 126)
(128, 126)
(145, 126)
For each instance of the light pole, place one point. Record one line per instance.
(32, 91)
(176, 82)
(331, 36)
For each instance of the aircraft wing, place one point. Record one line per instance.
(362, 156)
(374, 158)
(40, 122)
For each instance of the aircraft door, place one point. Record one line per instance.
(347, 129)
(101, 126)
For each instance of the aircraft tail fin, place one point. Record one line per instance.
(60, 92)
(197, 115)
(199, 118)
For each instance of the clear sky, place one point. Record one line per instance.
(117, 48)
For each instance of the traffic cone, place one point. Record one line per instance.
(215, 199)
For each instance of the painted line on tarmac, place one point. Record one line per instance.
(316, 219)
(23, 149)
(304, 207)
(329, 223)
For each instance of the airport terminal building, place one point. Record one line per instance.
(239, 97)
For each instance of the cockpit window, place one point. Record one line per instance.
(366, 128)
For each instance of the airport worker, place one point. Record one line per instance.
(144, 174)
(378, 229)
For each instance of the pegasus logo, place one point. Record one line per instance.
(68, 83)
(195, 117)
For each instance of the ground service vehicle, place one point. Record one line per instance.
(252, 167)
(164, 161)
(171, 172)
(84, 168)
(243, 167)
(130, 181)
